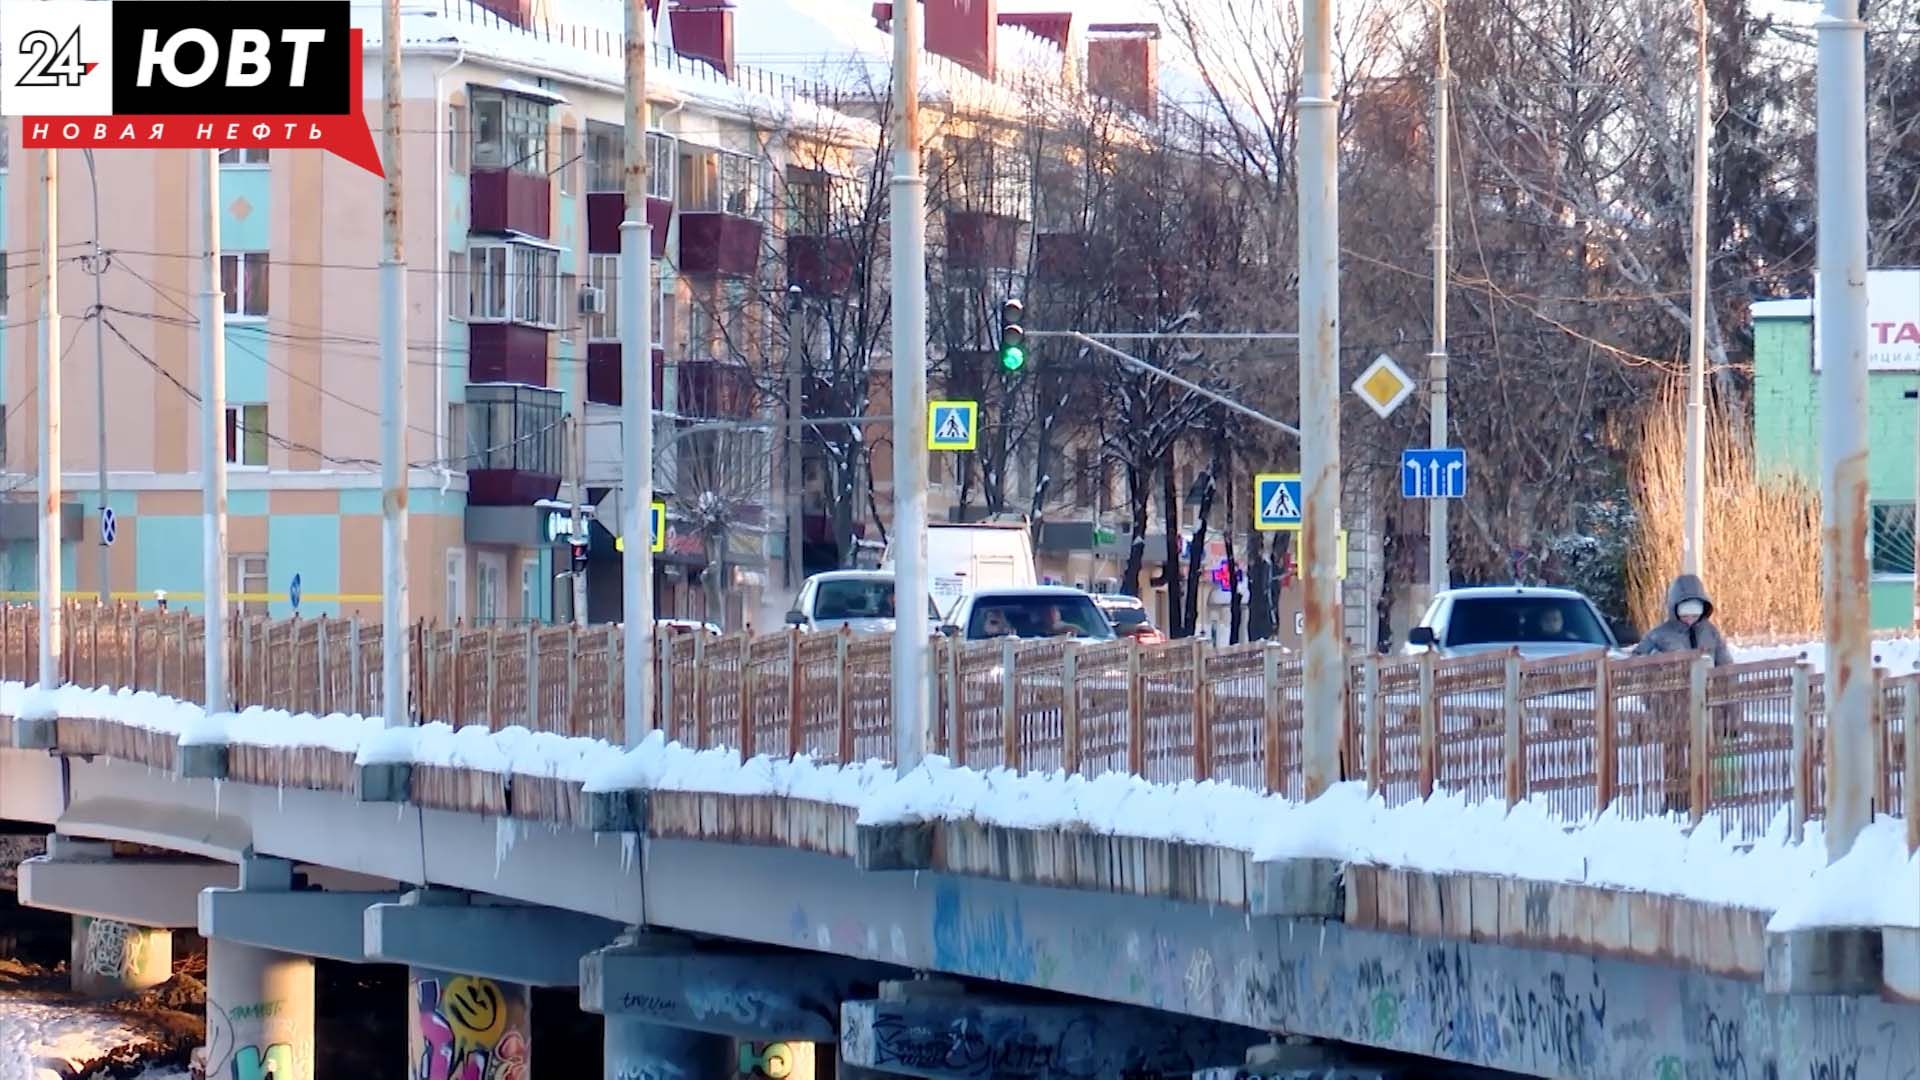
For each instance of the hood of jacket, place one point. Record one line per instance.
(1688, 587)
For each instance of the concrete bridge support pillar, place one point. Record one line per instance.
(467, 1027)
(112, 958)
(637, 1050)
(259, 1013)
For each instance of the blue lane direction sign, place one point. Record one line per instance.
(953, 425)
(1433, 474)
(108, 525)
(1276, 501)
(293, 593)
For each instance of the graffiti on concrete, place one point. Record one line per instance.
(950, 1039)
(776, 1061)
(274, 1063)
(991, 944)
(256, 1040)
(112, 950)
(469, 1029)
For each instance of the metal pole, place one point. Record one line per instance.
(1325, 683)
(636, 397)
(213, 434)
(796, 436)
(48, 401)
(1841, 322)
(1693, 545)
(576, 579)
(99, 375)
(395, 616)
(1439, 575)
(911, 685)
(1090, 341)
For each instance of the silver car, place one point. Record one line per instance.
(1539, 622)
(860, 600)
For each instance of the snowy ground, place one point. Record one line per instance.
(1879, 885)
(1894, 655)
(37, 1030)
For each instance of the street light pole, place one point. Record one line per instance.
(1841, 321)
(213, 431)
(1439, 575)
(911, 682)
(796, 437)
(394, 613)
(1693, 546)
(636, 396)
(99, 376)
(1325, 678)
(49, 416)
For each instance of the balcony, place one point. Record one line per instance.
(603, 374)
(607, 209)
(502, 352)
(716, 242)
(821, 265)
(978, 240)
(713, 390)
(516, 444)
(1062, 255)
(511, 201)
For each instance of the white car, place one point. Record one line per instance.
(1038, 611)
(860, 600)
(1540, 622)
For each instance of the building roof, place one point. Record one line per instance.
(1800, 307)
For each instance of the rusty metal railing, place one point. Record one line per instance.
(1741, 746)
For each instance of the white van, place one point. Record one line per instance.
(977, 555)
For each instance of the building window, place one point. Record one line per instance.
(6, 145)
(247, 579)
(606, 162)
(513, 282)
(569, 306)
(569, 159)
(657, 305)
(1891, 541)
(509, 131)
(247, 435)
(603, 273)
(530, 587)
(5, 292)
(243, 278)
(458, 294)
(458, 143)
(820, 203)
(517, 428)
(715, 181)
(244, 155)
(662, 157)
(456, 585)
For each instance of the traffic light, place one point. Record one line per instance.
(579, 546)
(1013, 340)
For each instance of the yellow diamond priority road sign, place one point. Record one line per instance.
(1383, 386)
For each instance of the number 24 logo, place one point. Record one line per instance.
(55, 62)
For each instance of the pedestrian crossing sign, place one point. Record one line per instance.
(953, 425)
(1276, 501)
(656, 528)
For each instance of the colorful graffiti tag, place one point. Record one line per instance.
(469, 1029)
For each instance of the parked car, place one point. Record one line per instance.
(1039, 611)
(860, 600)
(1129, 617)
(1540, 622)
(670, 627)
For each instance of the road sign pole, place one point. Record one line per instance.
(213, 434)
(48, 410)
(911, 674)
(1841, 322)
(1439, 576)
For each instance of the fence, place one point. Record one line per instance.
(1649, 736)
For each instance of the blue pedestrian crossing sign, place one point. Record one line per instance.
(1276, 501)
(953, 425)
(656, 529)
(109, 526)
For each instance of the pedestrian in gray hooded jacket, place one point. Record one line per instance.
(1688, 624)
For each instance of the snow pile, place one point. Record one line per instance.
(1877, 883)
(661, 765)
(138, 709)
(1893, 655)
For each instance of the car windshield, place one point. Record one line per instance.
(1125, 618)
(1498, 620)
(858, 598)
(1037, 617)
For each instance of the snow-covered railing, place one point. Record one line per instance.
(1653, 736)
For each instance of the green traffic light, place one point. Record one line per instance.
(1013, 357)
